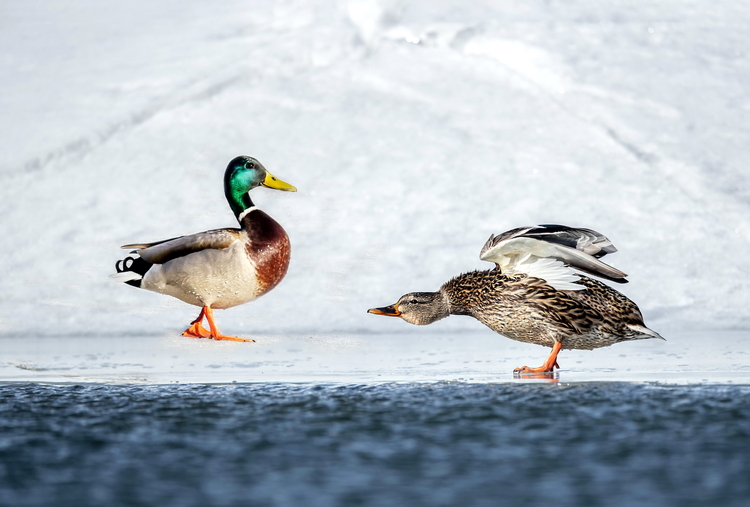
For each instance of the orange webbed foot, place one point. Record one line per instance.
(548, 367)
(540, 372)
(541, 369)
(231, 338)
(196, 329)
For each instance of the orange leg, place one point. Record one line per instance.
(196, 329)
(548, 366)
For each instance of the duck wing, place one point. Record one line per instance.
(164, 251)
(552, 252)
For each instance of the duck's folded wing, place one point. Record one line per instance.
(587, 241)
(589, 264)
(164, 251)
(519, 250)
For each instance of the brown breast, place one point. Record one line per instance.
(268, 245)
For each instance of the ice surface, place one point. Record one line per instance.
(413, 130)
(693, 358)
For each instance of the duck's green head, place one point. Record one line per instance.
(244, 174)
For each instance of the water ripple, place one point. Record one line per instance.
(390, 444)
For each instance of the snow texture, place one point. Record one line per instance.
(412, 129)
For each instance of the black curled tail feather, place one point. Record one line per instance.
(133, 264)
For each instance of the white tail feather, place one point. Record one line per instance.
(125, 276)
(645, 331)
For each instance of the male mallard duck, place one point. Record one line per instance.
(534, 295)
(220, 268)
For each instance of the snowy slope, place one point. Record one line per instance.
(412, 130)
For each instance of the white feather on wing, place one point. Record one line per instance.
(516, 252)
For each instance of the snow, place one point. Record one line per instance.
(413, 131)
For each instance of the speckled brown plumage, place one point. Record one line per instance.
(527, 309)
(535, 295)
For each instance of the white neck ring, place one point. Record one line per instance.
(248, 210)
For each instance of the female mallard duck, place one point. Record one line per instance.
(534, 295)
(220, 268)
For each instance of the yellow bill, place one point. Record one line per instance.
(272, 181)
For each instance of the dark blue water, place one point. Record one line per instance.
(380, 445)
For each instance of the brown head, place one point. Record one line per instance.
(420, 308)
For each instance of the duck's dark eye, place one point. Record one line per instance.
(249, 165)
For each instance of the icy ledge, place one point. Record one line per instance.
(696, 357)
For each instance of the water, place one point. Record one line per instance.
(389, 444)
